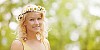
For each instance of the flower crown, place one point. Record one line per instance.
(31, 8)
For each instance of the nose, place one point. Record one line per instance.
(36, 22)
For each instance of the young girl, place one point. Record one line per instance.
(31, 29)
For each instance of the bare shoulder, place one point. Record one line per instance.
(16, 45)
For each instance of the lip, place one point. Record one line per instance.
(36, 27)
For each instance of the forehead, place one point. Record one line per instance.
(33, 15)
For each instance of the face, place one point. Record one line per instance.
(33, 21)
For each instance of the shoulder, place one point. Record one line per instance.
(16, 45)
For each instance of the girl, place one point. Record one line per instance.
(31, 29)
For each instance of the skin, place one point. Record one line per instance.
(33, 24)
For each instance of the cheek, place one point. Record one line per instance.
(41, 26)
(29, 24)
(41, 23)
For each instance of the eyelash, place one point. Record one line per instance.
(31, 19)
(38, 18)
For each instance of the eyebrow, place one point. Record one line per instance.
(30, 17)
(38, 17)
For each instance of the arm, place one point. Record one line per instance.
(16, 45)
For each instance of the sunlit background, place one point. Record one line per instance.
(74, 24)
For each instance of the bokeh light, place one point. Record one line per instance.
(73, 24)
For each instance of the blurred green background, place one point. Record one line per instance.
(74, 24)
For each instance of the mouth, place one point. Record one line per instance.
(36, 27)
